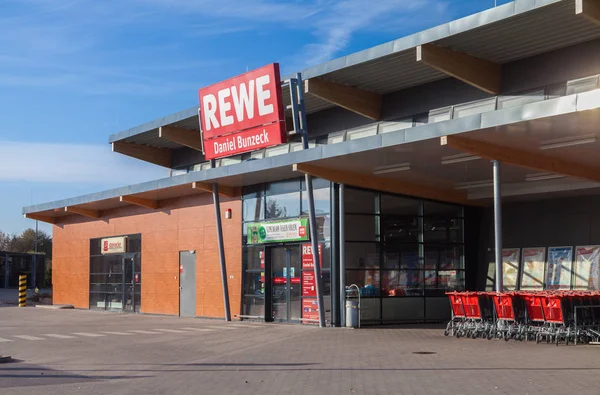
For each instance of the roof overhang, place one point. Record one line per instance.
(472, 49)
(426, 170)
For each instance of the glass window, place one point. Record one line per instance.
(324, 227)
(362, 255)
(361, 227)
(283, 200)
(400, 229)
(402, 256)
(357, 201)
(437, 209)
(254, 208)
(322, 194)
(442, 229)
(253, 258)
(399, 206)
(367, 281)
(402, 283)
(326, 256)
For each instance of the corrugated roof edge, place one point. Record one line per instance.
(445, 30)
(412, 41)
(167, 120)
(543, 109)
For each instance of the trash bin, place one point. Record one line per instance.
(352, 312)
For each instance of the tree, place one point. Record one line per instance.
(25, 242)
(5, 241)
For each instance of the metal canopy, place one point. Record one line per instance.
(503, 34)
(525, 127)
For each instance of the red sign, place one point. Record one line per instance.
(243, 113)
(310, 309)
(308, 276)
(244, 141)
(137, 278)
(302, 231)
(180, 269)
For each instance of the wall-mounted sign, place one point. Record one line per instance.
(242, 114)
(278, 231)
(308, 275)
(114, 245)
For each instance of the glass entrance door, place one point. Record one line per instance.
(286, 286)
(132, 283)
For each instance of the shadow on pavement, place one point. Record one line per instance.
(26, 375)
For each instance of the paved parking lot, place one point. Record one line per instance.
(85, 352)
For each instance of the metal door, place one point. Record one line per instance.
(285, 280)
(187, 283)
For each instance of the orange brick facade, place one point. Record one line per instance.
(180, 224)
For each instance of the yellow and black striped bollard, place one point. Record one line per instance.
(22, 290)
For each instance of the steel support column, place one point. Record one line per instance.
(217, 203)
(300, 125)
(498, 226)
(342, 242)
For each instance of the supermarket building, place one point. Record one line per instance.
(403, 137)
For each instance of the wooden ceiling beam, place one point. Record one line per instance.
(42, 218)
(224, 190)
(367, 104)
(384, 184)
(137, 201)
(590, 9)
(158, 156)
(480, 73)
(518, 157)
(187, 138)
(83, 211)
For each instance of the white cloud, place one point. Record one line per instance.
(67, 44)
(72, 163)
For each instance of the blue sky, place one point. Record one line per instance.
(73, 72)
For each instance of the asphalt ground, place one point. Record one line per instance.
(88, 352)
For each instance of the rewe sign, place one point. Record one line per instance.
(242, 114)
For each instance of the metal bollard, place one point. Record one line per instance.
(22, 290)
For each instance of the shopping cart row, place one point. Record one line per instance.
(550, 316)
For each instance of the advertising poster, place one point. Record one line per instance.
(310, 310)
(308, 275)
(278, 231)
(510, 267)
(534, 260)
(558, 275)
(586, 267)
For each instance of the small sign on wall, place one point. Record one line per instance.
(114, 245)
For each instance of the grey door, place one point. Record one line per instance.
(187, 283)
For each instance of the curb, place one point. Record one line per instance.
(55, 306)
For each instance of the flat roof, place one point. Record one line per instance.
(509, 32)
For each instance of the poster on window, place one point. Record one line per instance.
(586, 267)
(510, 267)
(558, 273)
(534, 260)
(310, 310)
(308, 274)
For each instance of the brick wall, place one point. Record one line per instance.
(186, 223)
